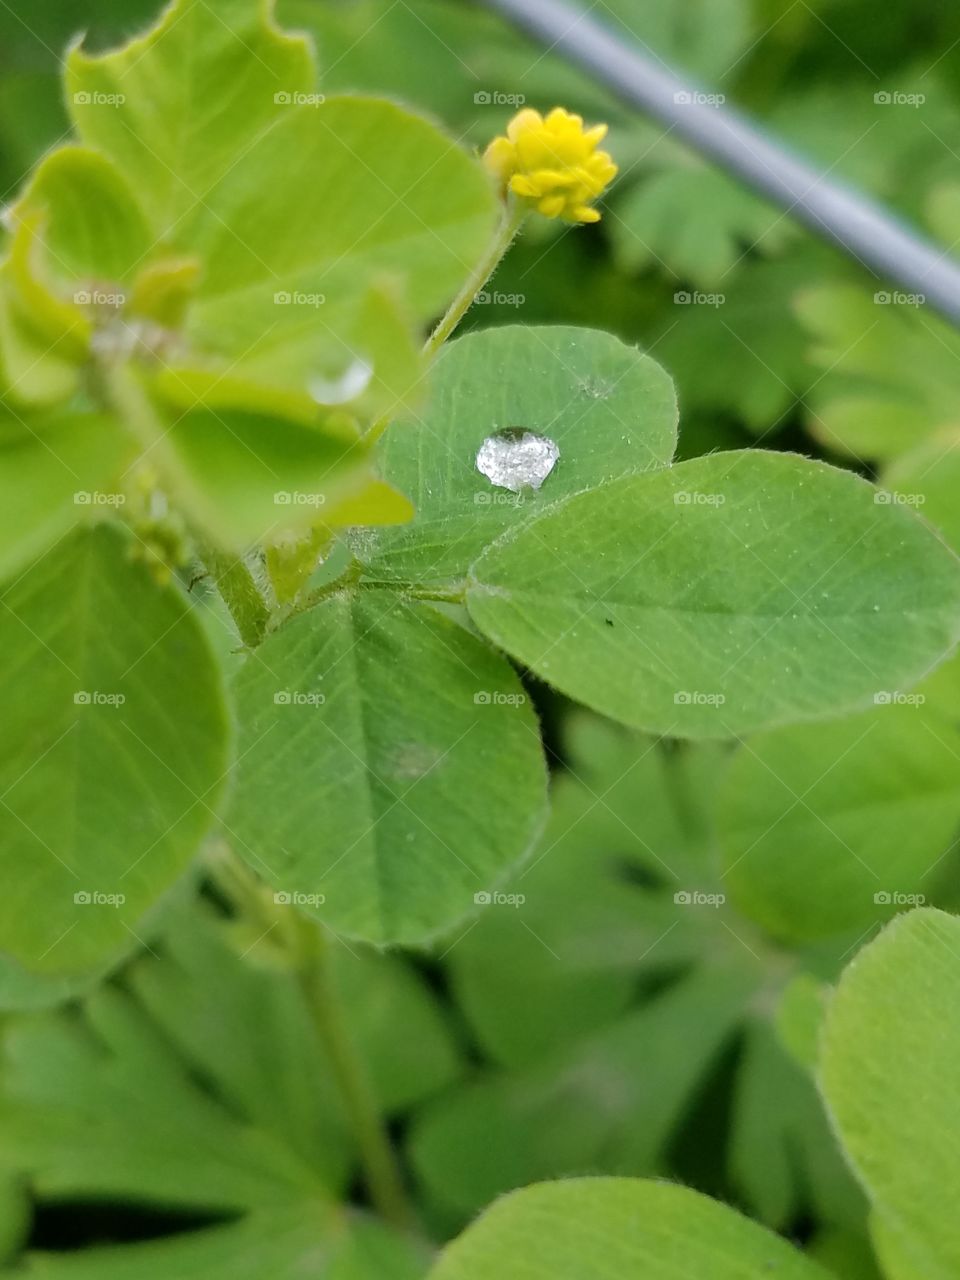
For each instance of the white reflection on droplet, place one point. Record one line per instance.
(345, 387)
(517, 459)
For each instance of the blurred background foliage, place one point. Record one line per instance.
(601, 1024)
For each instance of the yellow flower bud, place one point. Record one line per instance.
(553, 163)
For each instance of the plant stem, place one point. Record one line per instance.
(682, 789)
(239, 591)
(513, 216)
(382, 1172)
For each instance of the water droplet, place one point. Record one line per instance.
(517, 459)
(352, 382)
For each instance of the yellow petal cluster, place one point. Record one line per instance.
(553, 162)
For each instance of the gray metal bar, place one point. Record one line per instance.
(862, 228)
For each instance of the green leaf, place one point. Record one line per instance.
(891, 370)
(177, 107)
(757, 369)
(93, 228)
(198, 1078)
(723, 595)
(55, 472)
(598, 901)
(245, 476)
(612, 1101)
(114, 754)
(285, 1243)
(696, 222)
(610, 410)
(832, 827)
(383, 197)
(888, 1073)
(611, 1228)
(928, 479)
(783, 1159)
(397, 800)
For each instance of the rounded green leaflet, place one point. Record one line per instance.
(389, 769)
(609, 409)
(614, 1228)
(928, 479)
(888, 1073)
(836, 826)
(727, 594)
(55, 474)
(114, 752)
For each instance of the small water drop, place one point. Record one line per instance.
(352, 382)
(517, 459)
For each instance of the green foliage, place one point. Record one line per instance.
(652, 631)
(555, 1230)
(837, 826)
(433, 786)
(283, 664)
(130, 735)
(889, 1051)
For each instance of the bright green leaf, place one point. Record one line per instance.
(832, 827)
(612, 1228)
(178, 107)
(55, 472)
(610, 410)
(114, 752)
(722, 595)
(396, 799)
(889, 1076)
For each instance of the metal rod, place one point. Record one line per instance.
(862, 228)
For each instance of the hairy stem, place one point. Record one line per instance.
(239, 591)
(381, 1170)
(513, 216)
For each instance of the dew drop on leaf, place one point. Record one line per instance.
(346, 386)
(517, 459)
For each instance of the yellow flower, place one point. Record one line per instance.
(554, 163)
